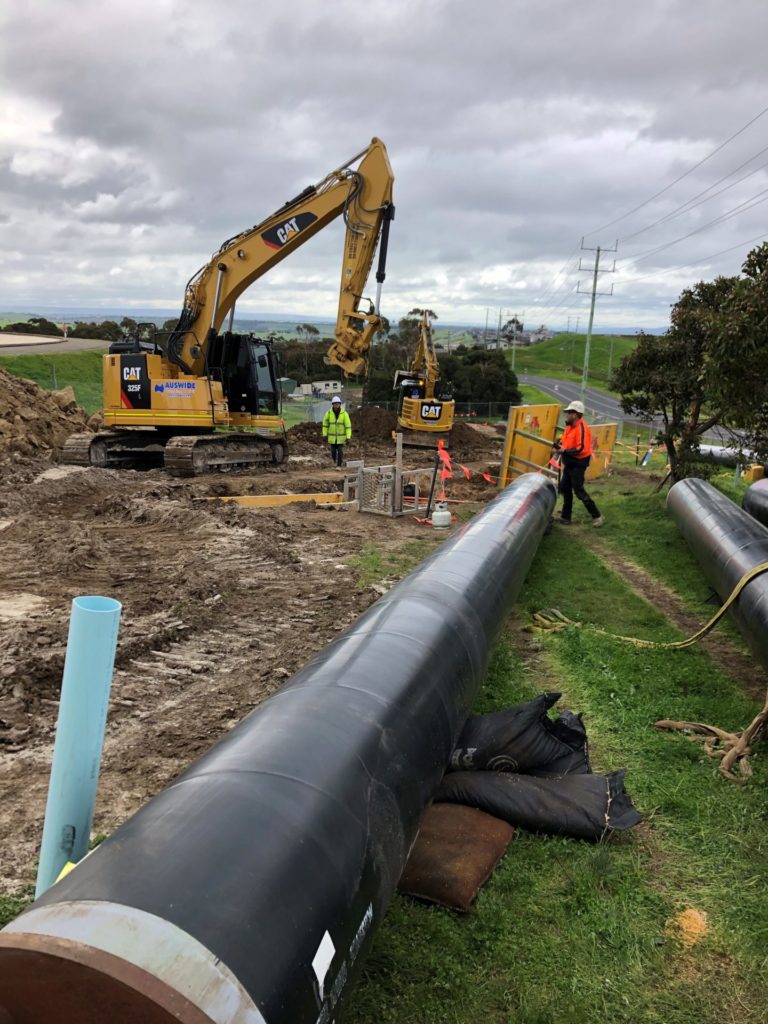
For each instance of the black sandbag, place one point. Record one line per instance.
(569, 728)
(580, 806)
(521, 739)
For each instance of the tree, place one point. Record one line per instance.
(673, 376)
(739, 354)
(35, 325)
(129, 326)
(710, 369)
(107, 330)
(511, 329)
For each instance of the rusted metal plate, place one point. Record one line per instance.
(455, 852)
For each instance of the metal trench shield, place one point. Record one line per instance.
(727, 543)
(249, 889)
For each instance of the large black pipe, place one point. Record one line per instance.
(727, 543)
(755, 501)
(248, 890)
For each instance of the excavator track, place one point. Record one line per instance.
(205, 453)
(118, 450)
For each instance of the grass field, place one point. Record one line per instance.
(532, 395)
(572, 932)
(562, 357)
(79, 370)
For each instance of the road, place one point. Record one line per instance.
(602, 407)
(38, 344)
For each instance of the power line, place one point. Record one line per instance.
(680, 177)
(691, 204)
(742, 207)
(703, 259)
(553, 287)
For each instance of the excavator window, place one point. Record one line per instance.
(262, 364)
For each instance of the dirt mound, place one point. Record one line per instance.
(470, 441)
(373, 424)
(33, 420)
(304, 432)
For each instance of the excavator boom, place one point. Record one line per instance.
(363, 195)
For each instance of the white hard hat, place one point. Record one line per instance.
(335, 399)
(575, 407)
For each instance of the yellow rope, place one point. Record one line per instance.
(551, 620)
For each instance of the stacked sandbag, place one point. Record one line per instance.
(524, 739)
(534, 772)
(580, 806)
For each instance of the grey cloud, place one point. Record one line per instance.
(513, 127)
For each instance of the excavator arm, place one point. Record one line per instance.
(363, 195)
(425, 360)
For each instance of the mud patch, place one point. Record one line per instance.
(20, 606)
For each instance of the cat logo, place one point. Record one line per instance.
(431, 410)
(131, 373)
(277, 237)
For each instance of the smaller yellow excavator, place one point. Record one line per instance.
(424, 414)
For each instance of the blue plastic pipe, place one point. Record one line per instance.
(88, 668)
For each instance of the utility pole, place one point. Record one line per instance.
(498, 331)
(596, 270)
(569, 325)
(515, 335)
(485, 332)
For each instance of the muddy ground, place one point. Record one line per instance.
(220, 605)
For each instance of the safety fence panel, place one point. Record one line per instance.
(603, 443)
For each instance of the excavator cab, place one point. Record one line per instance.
(247, 373)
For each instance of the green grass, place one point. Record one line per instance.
(79, 370)
(374, 564)
(293, 413)
(11, 906)
(568, 931)
(562, 357)
(532, 395)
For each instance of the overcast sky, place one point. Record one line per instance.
(136, 136)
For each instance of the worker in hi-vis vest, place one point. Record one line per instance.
(575, 448)
(337, 429)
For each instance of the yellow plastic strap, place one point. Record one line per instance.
(552, 620)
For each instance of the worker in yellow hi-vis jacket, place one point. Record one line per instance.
(337, 429)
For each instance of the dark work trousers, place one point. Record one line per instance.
(572, 482)
(337, 454)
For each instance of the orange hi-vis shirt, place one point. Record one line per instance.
(577, 440)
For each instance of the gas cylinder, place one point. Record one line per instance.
(441, 517)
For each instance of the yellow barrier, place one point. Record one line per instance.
(531, 431)
(603, 443)
(525, 453)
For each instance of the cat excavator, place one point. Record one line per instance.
(424, 414)
(201, 399)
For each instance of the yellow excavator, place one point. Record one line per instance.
(167, 398)
(424, 414)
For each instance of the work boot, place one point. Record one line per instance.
(600, 521)
(563, 522)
